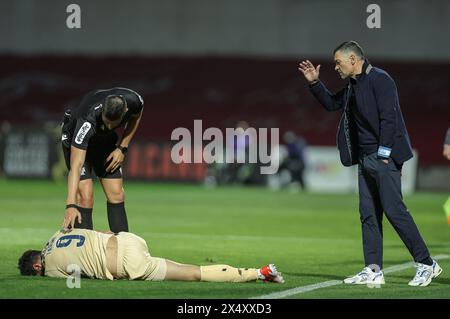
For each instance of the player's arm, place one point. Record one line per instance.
(84, 131)
(331, 102)
(130, 128)
(77, 158)
(117, 156)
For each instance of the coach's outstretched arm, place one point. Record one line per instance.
(77, 157)
(331, 102)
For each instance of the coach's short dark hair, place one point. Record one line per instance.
(26, 262)
(350, 46)
(114, 108)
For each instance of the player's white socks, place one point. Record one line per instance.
(225, 273)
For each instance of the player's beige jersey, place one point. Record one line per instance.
(81, 247)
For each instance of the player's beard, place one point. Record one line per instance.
(42, 265)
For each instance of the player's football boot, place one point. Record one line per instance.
(270, 273)
(425, 274)
(366, 277)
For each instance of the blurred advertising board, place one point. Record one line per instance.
(27, 152)
(325, 173)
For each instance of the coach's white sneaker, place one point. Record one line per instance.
(425, 274)
(366, 277)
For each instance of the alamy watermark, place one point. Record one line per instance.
(237, 145)
(73, 20)
(377, 270)
(74, 279)
(374, 19)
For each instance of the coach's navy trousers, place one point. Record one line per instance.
(380, 191)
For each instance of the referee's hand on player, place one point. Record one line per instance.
(115, 160)
(69, 219)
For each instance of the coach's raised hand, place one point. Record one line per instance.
(310, 73)
(69, 218)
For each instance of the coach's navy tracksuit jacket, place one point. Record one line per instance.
(379, 113)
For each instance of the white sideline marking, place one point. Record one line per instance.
(303, 289)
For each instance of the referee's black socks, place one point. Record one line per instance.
(86, 218)
(117, 217)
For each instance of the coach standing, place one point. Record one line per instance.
(373, 135)
(91, 145)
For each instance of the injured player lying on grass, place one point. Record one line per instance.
(125, 255)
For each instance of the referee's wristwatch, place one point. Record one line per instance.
(122, 149)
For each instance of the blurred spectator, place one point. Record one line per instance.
(237, 169)
(239, 142)
(446, 152)
(293, 165)
(240, 171)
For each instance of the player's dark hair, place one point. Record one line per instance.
(26, 262)
(114, 108)
(350, 46)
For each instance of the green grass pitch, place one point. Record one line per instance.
(312, 238)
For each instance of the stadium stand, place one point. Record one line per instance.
(220, 91)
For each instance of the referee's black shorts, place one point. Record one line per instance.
(95, 163)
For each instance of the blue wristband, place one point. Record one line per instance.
(384, 151)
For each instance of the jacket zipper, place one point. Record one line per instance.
(346, 133)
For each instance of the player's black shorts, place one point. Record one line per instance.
(95, 162)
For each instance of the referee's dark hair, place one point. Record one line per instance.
(26, 262)
(115, 107)
(350, 46)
